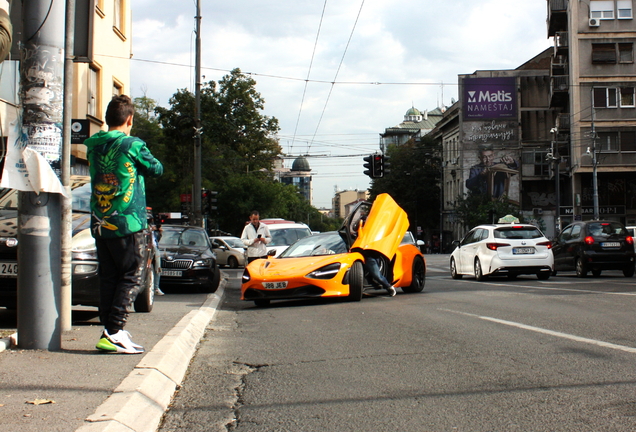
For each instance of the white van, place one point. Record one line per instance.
(284, 233)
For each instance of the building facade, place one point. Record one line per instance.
(593, 88)
(103, 48)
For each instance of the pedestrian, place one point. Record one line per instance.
(256, 236)
(374, 276)
(118, 164)
(156, 263)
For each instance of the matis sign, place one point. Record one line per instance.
(490, 98)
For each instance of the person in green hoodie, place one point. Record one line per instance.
(118, 164)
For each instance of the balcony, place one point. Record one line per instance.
(557, 16)
(559, 90)
(563, 122)
(561, 43)
(559, 65)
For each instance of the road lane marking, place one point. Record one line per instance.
(548, 332)
(551, 289)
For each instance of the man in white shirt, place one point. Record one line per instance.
(256, 236)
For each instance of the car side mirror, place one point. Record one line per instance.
(456, 243)
(271, 253)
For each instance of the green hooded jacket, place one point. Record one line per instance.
(118, 164)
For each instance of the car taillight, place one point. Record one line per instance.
(589, 240)
(547, 244)
(629, 240)
(494, 246)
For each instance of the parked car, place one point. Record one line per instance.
(502, 250)
(284, 233)
(85, 282)
(331, 264)
(594, 246)
(187, 258)
(229, 250)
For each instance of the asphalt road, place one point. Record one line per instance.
(522, 355)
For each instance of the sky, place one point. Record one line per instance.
(335, 74)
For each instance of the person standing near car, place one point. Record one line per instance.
(256, 236)
(118, 163)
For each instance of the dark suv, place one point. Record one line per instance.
(594, 246)
(85, 282)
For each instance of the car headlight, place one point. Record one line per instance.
(83, 246)
(246, 276)
(203, 263)
(9, 241)
(326, 272)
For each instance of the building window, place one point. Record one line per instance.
(624, 9)
(118, 88)
(93, 91)
(534, 163)
(605, 97)
(628, 140)
(117, 15)
(626, 52)
(603, 53)
(602, 9)
(607, 141)
(627, 97)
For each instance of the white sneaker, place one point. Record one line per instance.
(123, 343)
(391, 291)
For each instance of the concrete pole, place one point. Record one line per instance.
(196, 193)
(67, 210)
(41, 89)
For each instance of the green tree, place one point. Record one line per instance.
(476, 208)
(413, 181)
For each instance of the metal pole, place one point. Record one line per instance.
(42, 58)
(196, 199)
(67, 223)
(556, 159)
(594, 164)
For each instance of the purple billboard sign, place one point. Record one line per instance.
(490, 98)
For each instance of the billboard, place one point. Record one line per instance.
(489, 98)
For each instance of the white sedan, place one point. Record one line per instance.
(229, 251)
(502, 250)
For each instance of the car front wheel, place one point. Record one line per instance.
(214, 284)
(146, 299)
(356, 281)
(232, 262)
(453, 269)
(629, 271)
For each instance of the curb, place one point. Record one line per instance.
(139, 402)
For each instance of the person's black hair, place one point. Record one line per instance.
(119, 109)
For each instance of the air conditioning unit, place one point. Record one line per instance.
(594, 22)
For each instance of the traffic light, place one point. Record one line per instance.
(212, 200)
(386, 166)
(368, 164)
(378, 166)
(208, 200)
(205, 201)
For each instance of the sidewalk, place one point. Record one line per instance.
(80, 389)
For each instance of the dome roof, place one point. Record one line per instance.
(413, 112)
(300, 164)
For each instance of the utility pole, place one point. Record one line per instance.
(41, 89)
(196, 192)
(556, 159)
(594, 164)
(66, 231)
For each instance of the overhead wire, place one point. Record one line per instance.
(337, 72)
(311, 62)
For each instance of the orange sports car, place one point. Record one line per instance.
(332, 264)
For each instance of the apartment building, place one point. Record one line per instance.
(593, 87)
(103, 48)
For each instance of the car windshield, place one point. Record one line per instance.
(235, 243)
(517, 232)
(82, 198)
(287, 236)
(606, 229)
(320, 244)
(183, 237)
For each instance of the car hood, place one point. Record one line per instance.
(290, 267)
(384, 227)
(181, 252)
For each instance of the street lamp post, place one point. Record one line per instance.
(555, 159)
